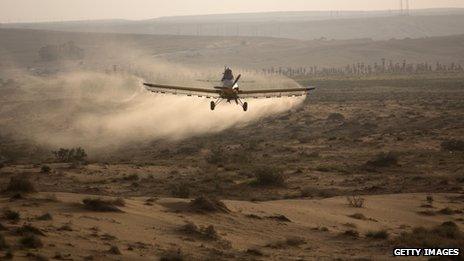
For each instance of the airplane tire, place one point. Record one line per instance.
(245, 106)
(213, 105)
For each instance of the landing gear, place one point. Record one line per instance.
(245, 106)
(214, 103)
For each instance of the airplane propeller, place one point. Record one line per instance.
(236, 80)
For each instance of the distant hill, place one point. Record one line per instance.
(21, 47)
(377, 25)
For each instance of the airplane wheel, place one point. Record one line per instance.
(213, 105)
(245, 106)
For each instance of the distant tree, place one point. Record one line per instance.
(68, 50)
(70, 155)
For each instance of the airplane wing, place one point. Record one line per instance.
(189, 91)
(275, 93)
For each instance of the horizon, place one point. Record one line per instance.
(87, 10)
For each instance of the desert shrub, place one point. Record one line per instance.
(101, 205)
(189, 228)
(359, 216)
(254, 251)
(3, 243)
(11, 215)
(336, 117)
(45, 169)
(70, 155)
(20, 185)
(216, 156)
(131, 177)
(319, 192)
(448, 211)
(181, 190)
(445, 235)
(289, 241)
(381, 234)
(114, 250)
(65, 227)
(208, 232)
(351, 233)
(355, 201)
(429, 199)
(120, 202)
(295, 241)
(383, 160)
(37, 257)
(50, 197)
(30, 241)
(29, 229)
(452, 145)
(205, 204)
(173, 255)
(268, 176)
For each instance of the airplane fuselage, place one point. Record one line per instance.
(229, 88)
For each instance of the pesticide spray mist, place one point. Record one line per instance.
(99, 110)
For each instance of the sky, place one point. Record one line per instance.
(60, 10)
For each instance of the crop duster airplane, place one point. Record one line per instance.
(229, 91)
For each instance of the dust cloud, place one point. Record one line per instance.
(106, 110)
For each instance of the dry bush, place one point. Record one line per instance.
(355, 201)
(289, 241)
(452, 145)
(27, 229)
(181, 190)
(268, 176)
(351, 233)
(114, 250)
(449, 211)
(208, 232)
(383, 160)
(173, 255)
(120, 202)
(319, 192)
(254, 251)
(65, 227)
(30, 241)
(20, 185)
(336, 117)
(295, 241)
(381, 234)
(446, 235)
(205, 204)
(45, 169)
(429, 199)
(70, 155)
(359, 216)
(131, 177)
(11, 215)
(100, 205)
(217, 156)
(37, 256)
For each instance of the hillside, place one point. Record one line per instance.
(20, 47)
(380, 25)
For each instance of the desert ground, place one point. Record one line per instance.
(359, 167)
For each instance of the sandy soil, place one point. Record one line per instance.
(143, 232)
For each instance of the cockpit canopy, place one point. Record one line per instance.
(228, 75)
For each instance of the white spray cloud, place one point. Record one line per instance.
(104, 111)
